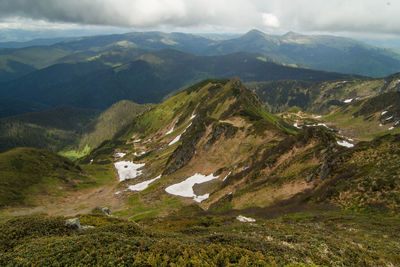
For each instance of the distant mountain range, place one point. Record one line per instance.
(146, 78)
(328, 53)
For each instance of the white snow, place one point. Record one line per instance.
(91, 161)
(391, 128)
(245, 219)
(170, 131)
(345, 144)
(185, 188)
(120, 155)
(226, 176)
(193, 116)
(319, 124)
(348, 100)
(117, 193)
(139, 154)
(391, 117)
(147, 141)
(176, 139)
(296, 125)
(318, 117)
(380, 125)
(137, 141)
(397, 123)
(128, 170)
(384, 112)
(143, 185)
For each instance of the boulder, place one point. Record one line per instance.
(106, 211)
(73, 223)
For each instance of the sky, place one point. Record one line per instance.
(358, 18)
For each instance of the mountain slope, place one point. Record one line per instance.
(25, 172)
(367, 118)
(71, 131)
(214, 144)
(327, 53)
(147, 79)
(11, 107)
(52, 129)
(320, 97)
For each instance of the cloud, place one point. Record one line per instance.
(270, 20)
(357, 16)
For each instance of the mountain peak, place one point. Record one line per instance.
(255, 32)
(291, 34)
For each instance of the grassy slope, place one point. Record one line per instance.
(25, 172)
(363, 119)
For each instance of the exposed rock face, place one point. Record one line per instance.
(218, 130)
(184, 153)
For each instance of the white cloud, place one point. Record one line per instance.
(270, 20)
(354, 16)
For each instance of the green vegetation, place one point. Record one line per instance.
(25, 172)
(368, 118)
(319, 97)
(313, 237)
(72, 132)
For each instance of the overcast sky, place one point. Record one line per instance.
(349, 17)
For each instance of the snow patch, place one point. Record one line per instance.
(391, 128)
(384, 112)
(170, 131)
(245, 219)
(128, 170)
(296, 125)
(143, 185)
(345, 144)
(139, 154)
(120, 155)
(137, 141)
(348, 100)
(391, 117)
(176, 139)
(185, 188)
(380, 125)
(193, 116)
(117, 193)
(226, 177)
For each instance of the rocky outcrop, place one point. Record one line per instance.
(219, 129)
(184, 153)
(76, 225)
